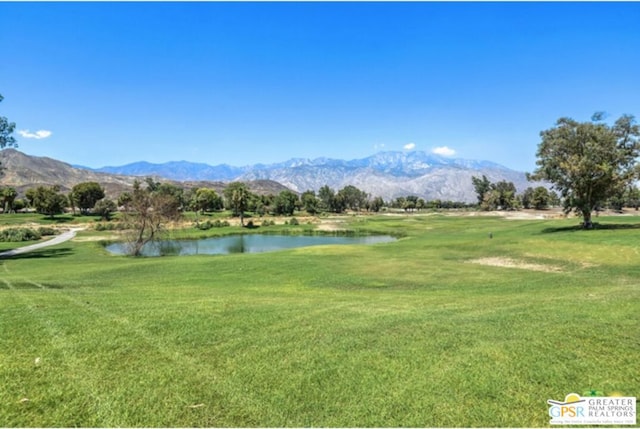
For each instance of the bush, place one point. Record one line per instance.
(45, 230)
(204, 225)
(14, 235)
(294, 221)
(208, 224)
(111, 226)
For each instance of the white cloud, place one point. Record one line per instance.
(378, 146)
(409, 146)
(40, 134)
(444, 151)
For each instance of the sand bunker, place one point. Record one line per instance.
(512, 263)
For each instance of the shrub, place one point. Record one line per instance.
(19, 234)
(294, 221)
(208, 224)
(111, 226)
(204, 225)
(45, 230)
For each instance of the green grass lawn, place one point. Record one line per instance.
(410, 333)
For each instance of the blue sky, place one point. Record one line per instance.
(240, 83)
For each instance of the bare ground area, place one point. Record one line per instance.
(512, 263)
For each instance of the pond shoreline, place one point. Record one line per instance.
(250, 243)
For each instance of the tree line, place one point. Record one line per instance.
(591, 164)
(89, 198)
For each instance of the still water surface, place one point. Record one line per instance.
(250, 243)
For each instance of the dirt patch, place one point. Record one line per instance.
(330, 226)
(98, 238)
(512, 263)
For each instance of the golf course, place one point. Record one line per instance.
(463, 321)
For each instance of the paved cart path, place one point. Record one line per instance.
(65, 236)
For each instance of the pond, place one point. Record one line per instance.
(249, 243)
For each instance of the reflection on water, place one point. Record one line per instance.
(251, 243)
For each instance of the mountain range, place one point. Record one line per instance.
(22, 171)
(385, 174)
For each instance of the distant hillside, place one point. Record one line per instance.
(23, 171)
(177, 170)
(386, 174)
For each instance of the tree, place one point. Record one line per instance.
(410, 203)
(8, 196)
(237, 196)
(587, 162)
(499, 196)
(105, 208)
(206, 199)
(632, 197)
(150, 209)
(376, 204)
(354, 198)
(540, 198)
(6, 129)
(326, 196)
(85, 195)
(506, 194)
(47, 200)
(527, 197)
(310, 202)
(124, 200)
(481, 186)
(285, 203)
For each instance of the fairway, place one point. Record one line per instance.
(443, 327)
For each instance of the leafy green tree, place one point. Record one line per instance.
(500, 196)
(19, 204)
(8, 195)
(376, 204)
(527, 197)
(124, 200)
(540, 198)
(6, 129)
(434, 204)
(310, 202)
(481, 186)
(174, 194)
(206, 199)
(326, 196)
(237, 198)
(587, 162)
(339, 204)
(105, 208)
(354, 198)
(47, 200)
(409, 203)
(85, 195)
(491, 200)
(399, 203)
(285, 203)
(507, 194)
(632, 197)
